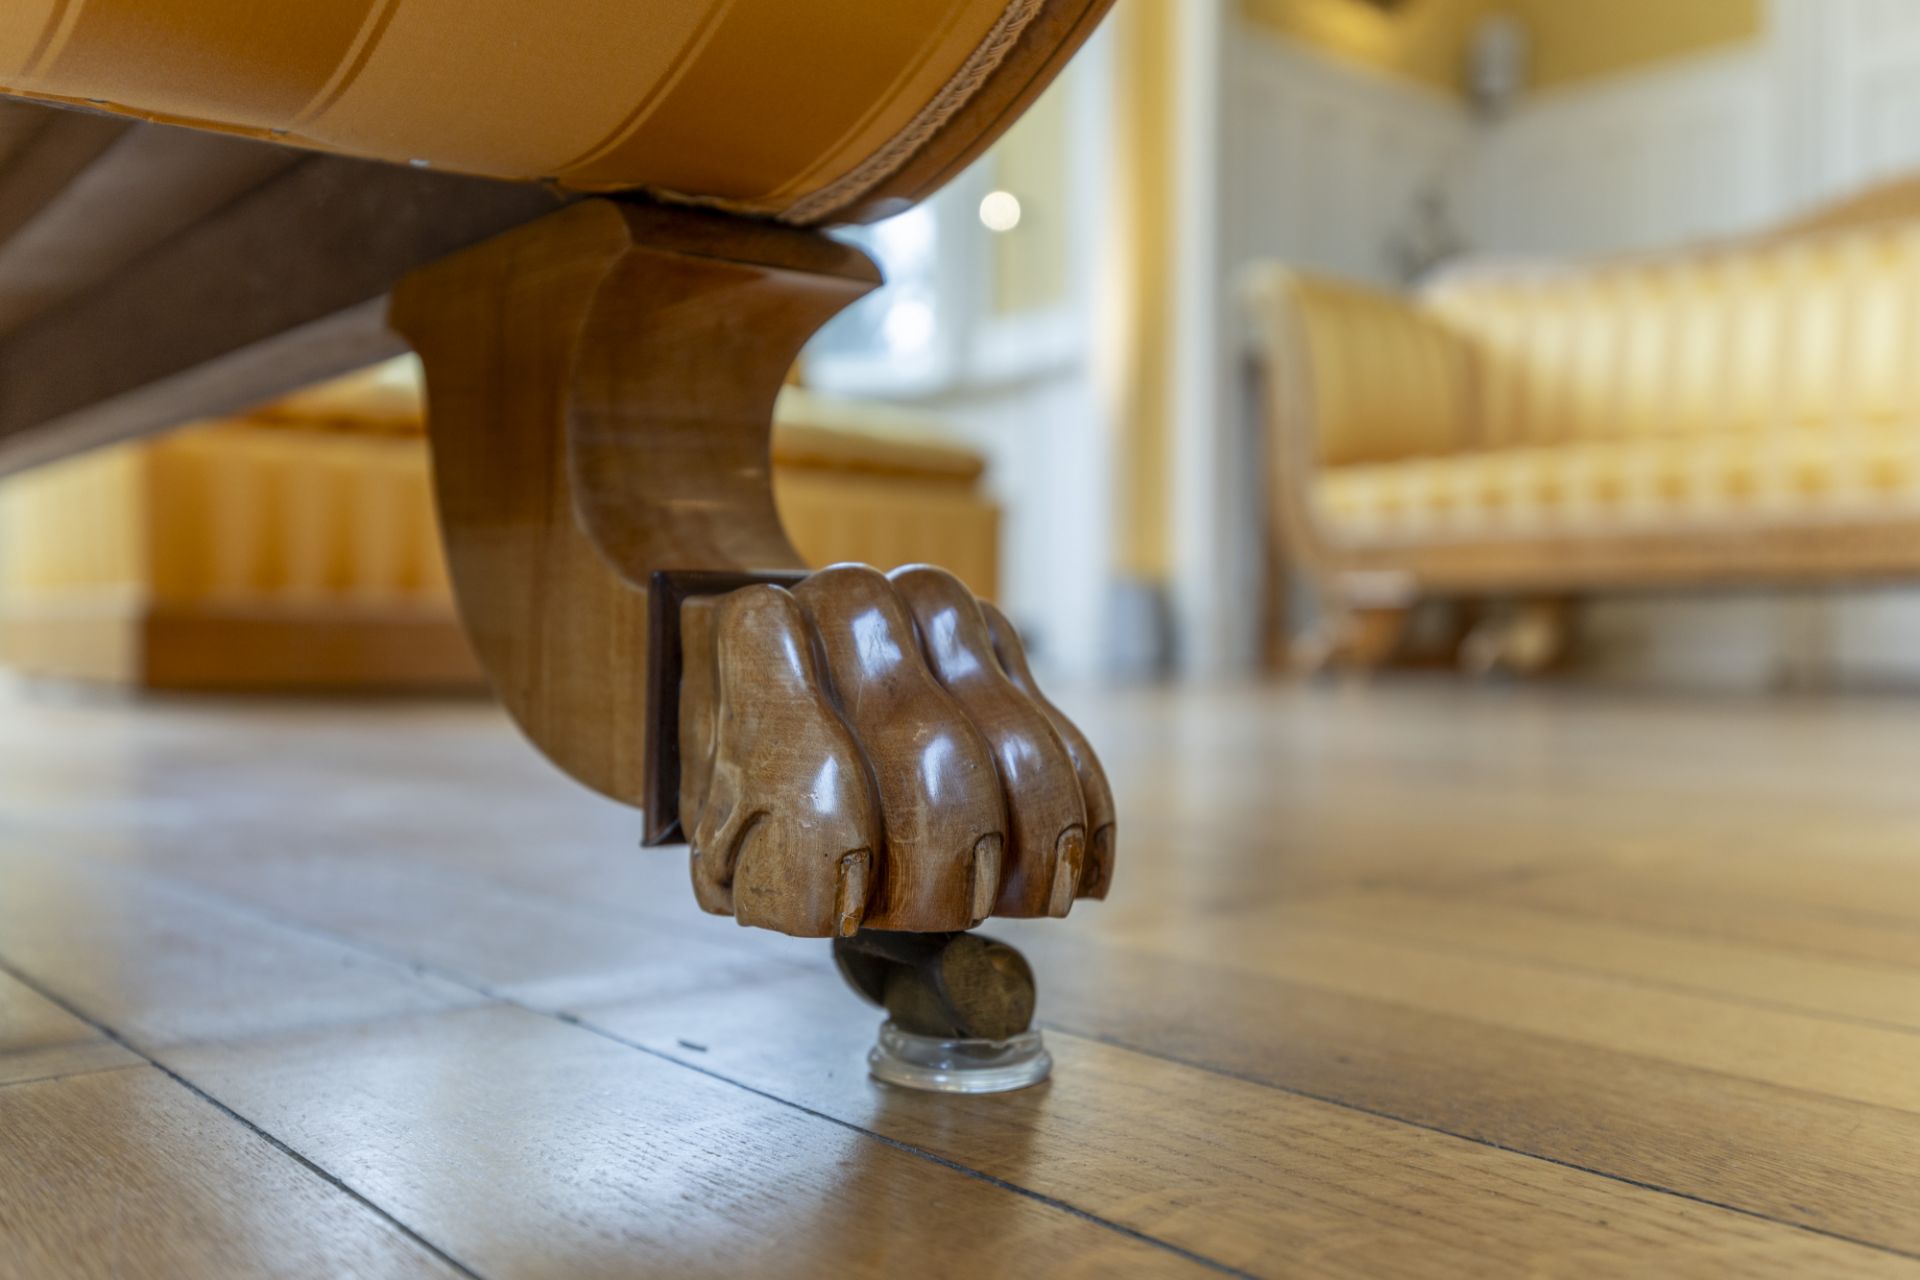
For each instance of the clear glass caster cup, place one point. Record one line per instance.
(958, 1066)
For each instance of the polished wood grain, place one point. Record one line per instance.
(1400, 980)
(39, 1040)
(601, 387)
(1097, 876)
(854, 755)
(943, 819)
(128, 1173)
(1269, 1183)
(278, 287)
(1046, 836)
(112, 203)
(575, 1155)
(162, 967)
(787, 829)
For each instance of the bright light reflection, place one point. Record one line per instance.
(825, 787)
(1000, 211)
(954, 657)
(933, 763)
(875, 641)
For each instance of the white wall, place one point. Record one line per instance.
(1845, 74)
(1676, 153)
(1827, 103)
(1325, 160)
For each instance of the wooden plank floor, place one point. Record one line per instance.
(1410, 980)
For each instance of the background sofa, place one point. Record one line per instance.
(1739, 412)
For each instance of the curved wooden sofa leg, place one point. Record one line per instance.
(864, 750)
(599, 388)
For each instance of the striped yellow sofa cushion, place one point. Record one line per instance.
(1765, 380)
(793, 107)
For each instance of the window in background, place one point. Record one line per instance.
(1029, 250)
(892, 338)
(983, 281)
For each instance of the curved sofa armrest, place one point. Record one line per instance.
(1354, 375)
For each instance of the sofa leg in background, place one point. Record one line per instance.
(1370, 638)
(1528, 638)
(1362, 625)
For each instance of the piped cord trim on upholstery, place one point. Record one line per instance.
(820, 205)
(846, 177)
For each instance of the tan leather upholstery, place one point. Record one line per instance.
(1761, 381)
(782, 106)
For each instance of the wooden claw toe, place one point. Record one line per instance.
(857, 758)
(850, 901)
(938, 789)
(1037, 775)
(1069, 858)
(789, 823)
(988, 867)
(1094, 788)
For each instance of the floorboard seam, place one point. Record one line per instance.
(359, 944)
(490, 993)
(81, 1074)
(1572, 969)
(909, 1148)
(1898, 924)
(277, 1144)
(1478, 1020)
(1346, 1105)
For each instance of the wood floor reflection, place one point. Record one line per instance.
(1412, 980)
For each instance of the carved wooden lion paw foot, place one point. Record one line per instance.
(870, 751)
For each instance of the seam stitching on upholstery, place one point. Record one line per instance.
(955, 94)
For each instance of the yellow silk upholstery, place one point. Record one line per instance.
(232, 552)
(1354, 332)
(1766, 380)
(792, 107)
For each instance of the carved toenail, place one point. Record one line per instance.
(988, 853)
(850, 899)
(1069, 856)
